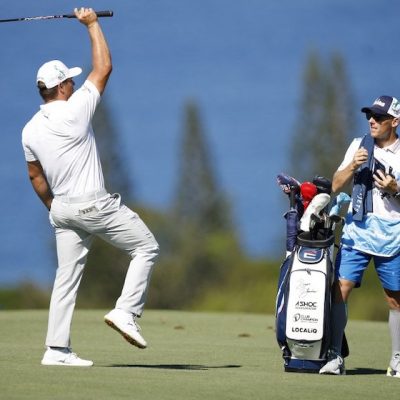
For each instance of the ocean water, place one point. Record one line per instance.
(242, 62)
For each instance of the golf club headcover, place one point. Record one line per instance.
(317, 204)
(287, 183)
(324, 185)
(307, 190)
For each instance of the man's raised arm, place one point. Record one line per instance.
(101, 57)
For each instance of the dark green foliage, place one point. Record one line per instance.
(104, 276)
(325, 124)
(25, 296)
(116, 176)
(201, 264)
(199, 201)
(202, 246)
(107, 266)
(250, 287)
(198, 266)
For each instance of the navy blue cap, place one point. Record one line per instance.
(384, 105)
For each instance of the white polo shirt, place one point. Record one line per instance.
(390, 157)
(60, 137)
(379, 232)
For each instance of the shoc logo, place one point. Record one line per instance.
(308, 305)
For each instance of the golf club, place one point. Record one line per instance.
(107, 13)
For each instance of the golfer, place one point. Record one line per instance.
(65, 172)
(372, 229)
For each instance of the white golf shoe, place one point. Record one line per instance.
(64, 357)
(334, 366)
(125, 323)
(394, 366)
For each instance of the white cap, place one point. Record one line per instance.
(54, 72)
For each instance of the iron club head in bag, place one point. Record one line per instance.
(316, 224)
(335, 220)
(317, 204)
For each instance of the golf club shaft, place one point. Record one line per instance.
(107, 13)
(292, 197)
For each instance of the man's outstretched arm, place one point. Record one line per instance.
(101, 57)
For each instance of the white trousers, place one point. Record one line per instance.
(76, 222)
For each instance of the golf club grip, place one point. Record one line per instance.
(107, 13)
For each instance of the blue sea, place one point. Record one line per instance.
(242, 61)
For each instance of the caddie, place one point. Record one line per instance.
(372, 228)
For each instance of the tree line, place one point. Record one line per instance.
(202, 265)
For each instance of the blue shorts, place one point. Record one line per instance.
(351, 264)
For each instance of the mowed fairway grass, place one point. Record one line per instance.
(190, 356)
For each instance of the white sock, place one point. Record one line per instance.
(394, 327)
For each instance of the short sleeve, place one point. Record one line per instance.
(83, 102)
(354, 145)
(29, 154)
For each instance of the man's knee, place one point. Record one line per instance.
(342, 290)
(155, 250)
(154, 247)
(149, 250)
(393, 299)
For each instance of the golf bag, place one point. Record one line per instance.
(304, 298)
(303, 303)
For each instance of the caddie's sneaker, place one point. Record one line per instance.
(125, 323)
(394, 366)
(64, 356)
(334, 366)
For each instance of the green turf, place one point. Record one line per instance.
(190, 356)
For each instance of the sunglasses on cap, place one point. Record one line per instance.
(377, 117)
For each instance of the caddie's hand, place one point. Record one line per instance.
(385, 183)
(360, 157)
(86, 16)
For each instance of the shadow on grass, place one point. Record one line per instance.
(365, 371)
(190, 367)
